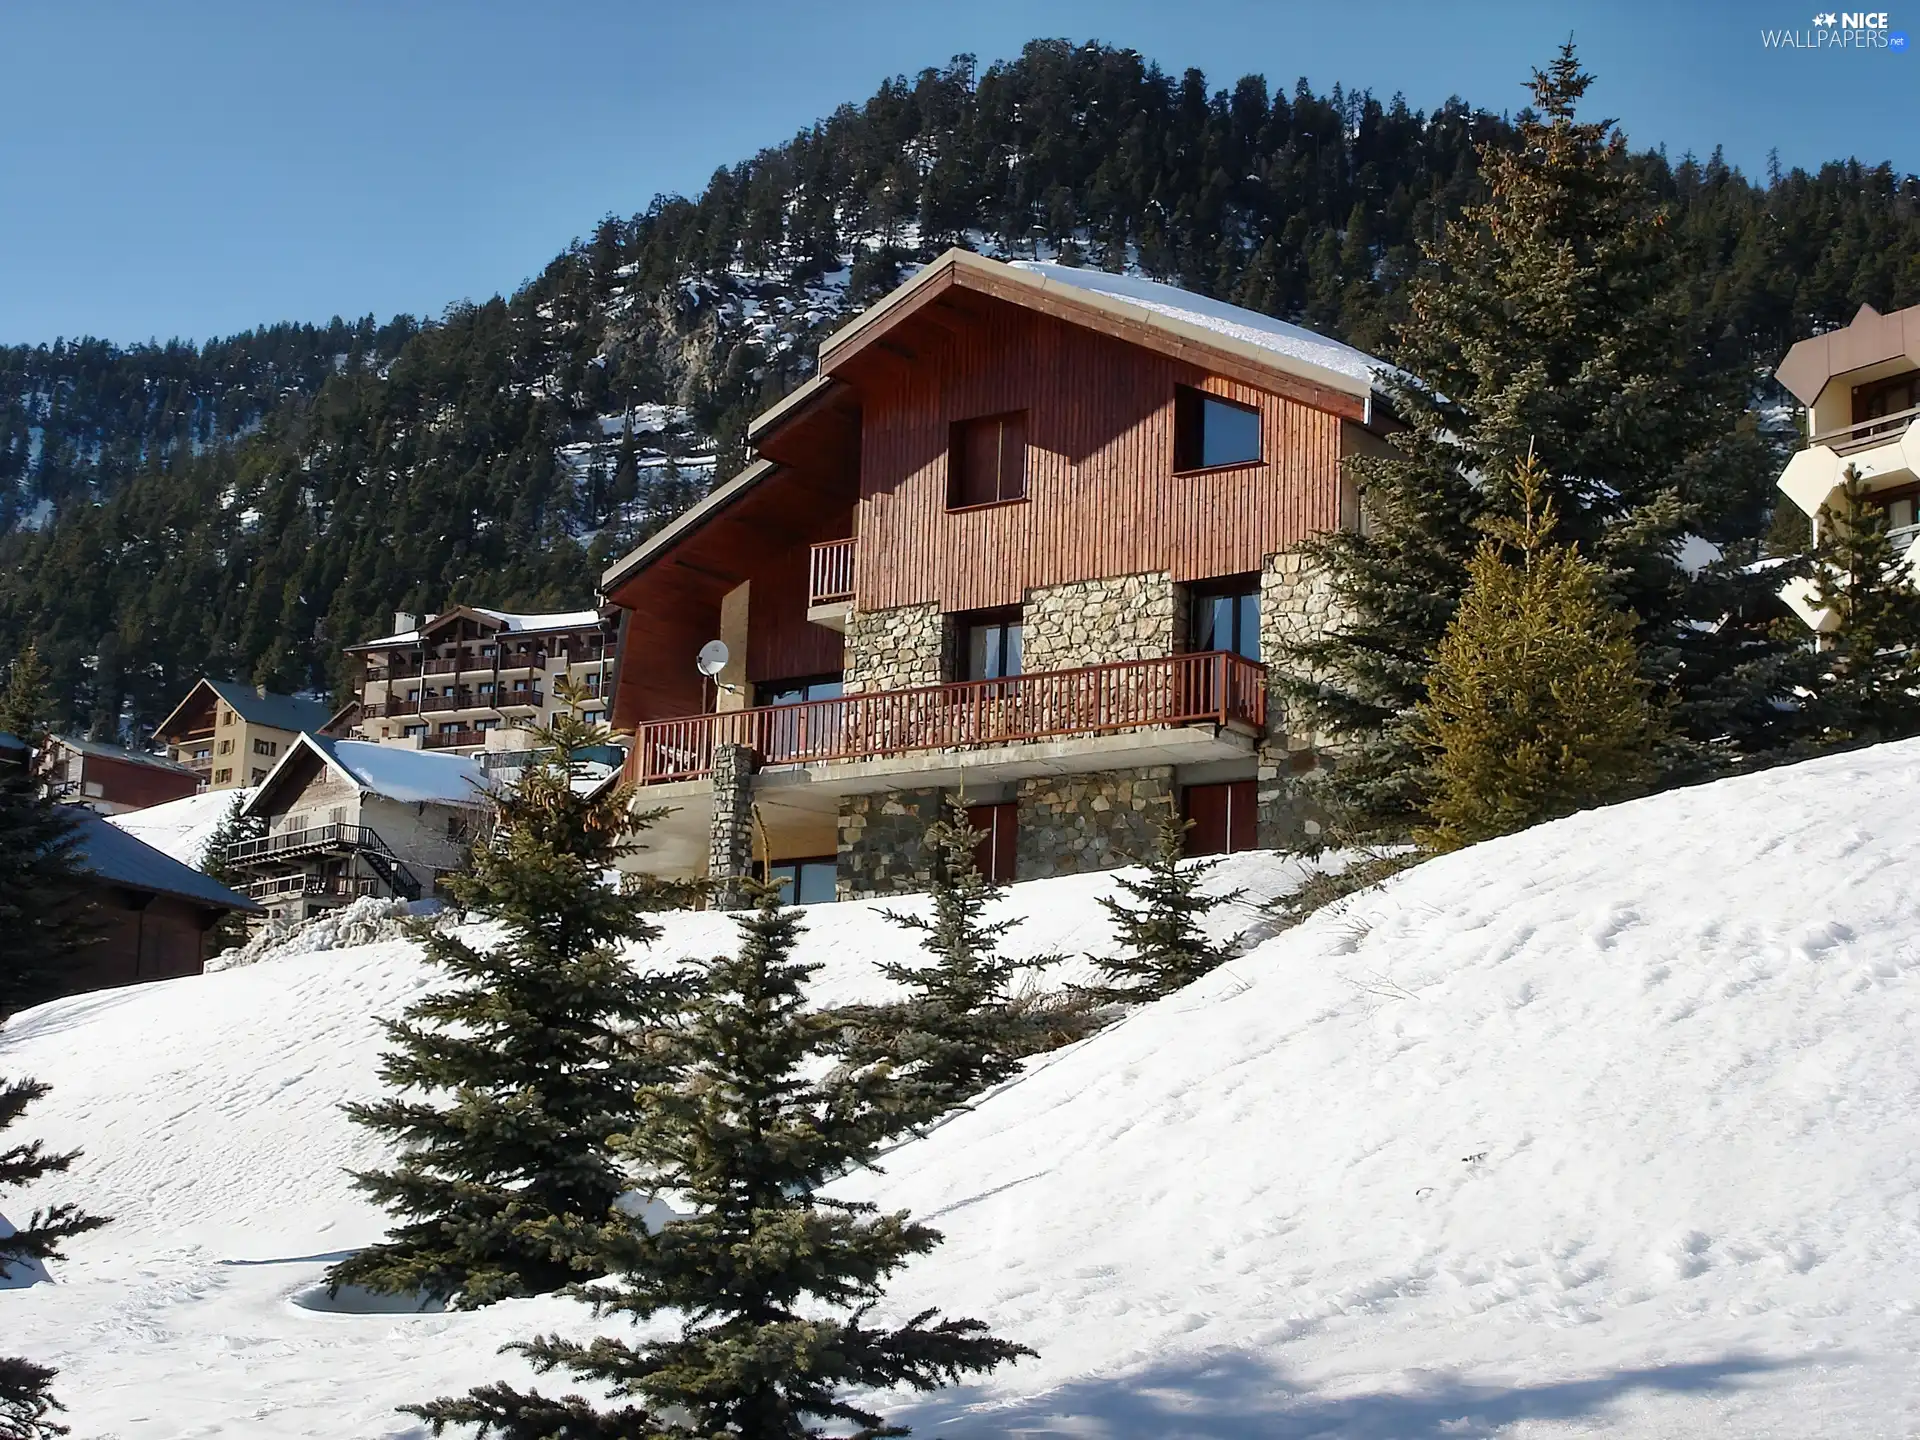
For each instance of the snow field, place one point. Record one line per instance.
(1610, 1127)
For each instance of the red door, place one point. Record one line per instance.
(1222, 816)
(995, 852)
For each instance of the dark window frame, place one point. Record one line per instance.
(1190, 404)
(959, 448)
(1238, 588)
(765, 690)
(790, 894)
(1005, 619)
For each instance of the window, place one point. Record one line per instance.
(457, 829)
(265, 747)
(225, 747)
(1902, 511)
(990, 646)
(993, 855)
(337, 815)
(486, 688)
(258, 775)
(486, 652)
(413, 732)
(414, 694)
(1226, 616)
(486, 725)
(1221, 817)
(806, 882)
(1886, 397)
(222, 777)
(1209, 431)
(793, 692)
(987, 460)
(450, 727)
(226, 717)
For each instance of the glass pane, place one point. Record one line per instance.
(1010, 656)
(824, 690)
(785, 876)
(981, 648)
(816, 883)
(1230, 435)
(1246, 631)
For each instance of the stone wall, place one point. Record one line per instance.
(1070, 824)
(1296, 604)
(1093, 622)
(880, 851)
(896, 649)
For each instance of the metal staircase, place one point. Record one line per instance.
(384, 863)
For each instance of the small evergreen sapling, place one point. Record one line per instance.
(24, 703)
(27, 1405)
(1536, 706)
(961, 1029)
(1868, 688)
(1162, 945)
(526, 1067)
(771, 1282)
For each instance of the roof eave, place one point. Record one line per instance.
(651, 549)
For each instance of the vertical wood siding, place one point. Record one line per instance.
(1102, 498)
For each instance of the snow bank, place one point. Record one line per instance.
(180, 829)
(1612, 1127)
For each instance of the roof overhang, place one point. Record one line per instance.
(1869, 339)
(165, 725)
(685, 524)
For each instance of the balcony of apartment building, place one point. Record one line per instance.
(325, 855)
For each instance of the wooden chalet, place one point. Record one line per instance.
(1028, 534)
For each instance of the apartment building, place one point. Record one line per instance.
(231, 735)
(1029, 535)
(1860, 387)
(473, 680)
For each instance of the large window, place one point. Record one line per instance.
(793, 692)
(1209, 431)
(1226, 616)
(1886, 397)
(805, 882)
(987, 460)
(990, 645)
(1902, 511)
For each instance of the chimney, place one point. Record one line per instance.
(402, 621)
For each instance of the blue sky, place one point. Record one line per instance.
(197, 168)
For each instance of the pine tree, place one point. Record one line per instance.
(961, 1029)
(771, 1281)
(1535, 705)
(44, 908)
(1162, 946)
(25, 705)
(1551, 319)
(1869, 665)
(523, 1069)
(234, 828)
(27, 1405)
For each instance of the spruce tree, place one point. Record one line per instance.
(960, 1029)
(512, 1081)
(771, 1283)
(1535, 704)
(44, 894)
(27, 1405)
(1162, 945)
(25, 703)
(235, 827)
(1868, 688)
(1553, 318)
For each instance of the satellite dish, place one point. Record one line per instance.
(713, 658)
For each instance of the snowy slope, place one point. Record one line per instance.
(1613, 1127)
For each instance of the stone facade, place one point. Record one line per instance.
(730, 846)
(1095, 622)
(896, 649)
(1296, 604)
(880, 851)
(1070, 824)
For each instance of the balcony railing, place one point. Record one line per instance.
(334, 887)
(1210, 687)
(830, 572)
(312, 840)
(1865, 434)
(441, 667)
(519, 699)
(454, 739)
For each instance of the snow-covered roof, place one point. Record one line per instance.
(414, 777)
(104, 751)
(182, 828)
(510, 620)
(109, 852)
(1249, 327)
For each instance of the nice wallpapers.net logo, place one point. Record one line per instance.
(1840, 30)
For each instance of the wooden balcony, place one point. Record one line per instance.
(830, 572)
(1213, 687)
(453, 739)
(1865, 434)
(441, 667)
(314, 886)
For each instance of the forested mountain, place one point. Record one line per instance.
(247, 507)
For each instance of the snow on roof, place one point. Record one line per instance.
(181, 828)
(105, 751)
(512, 620)
(1249, 327)
(415, 776)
